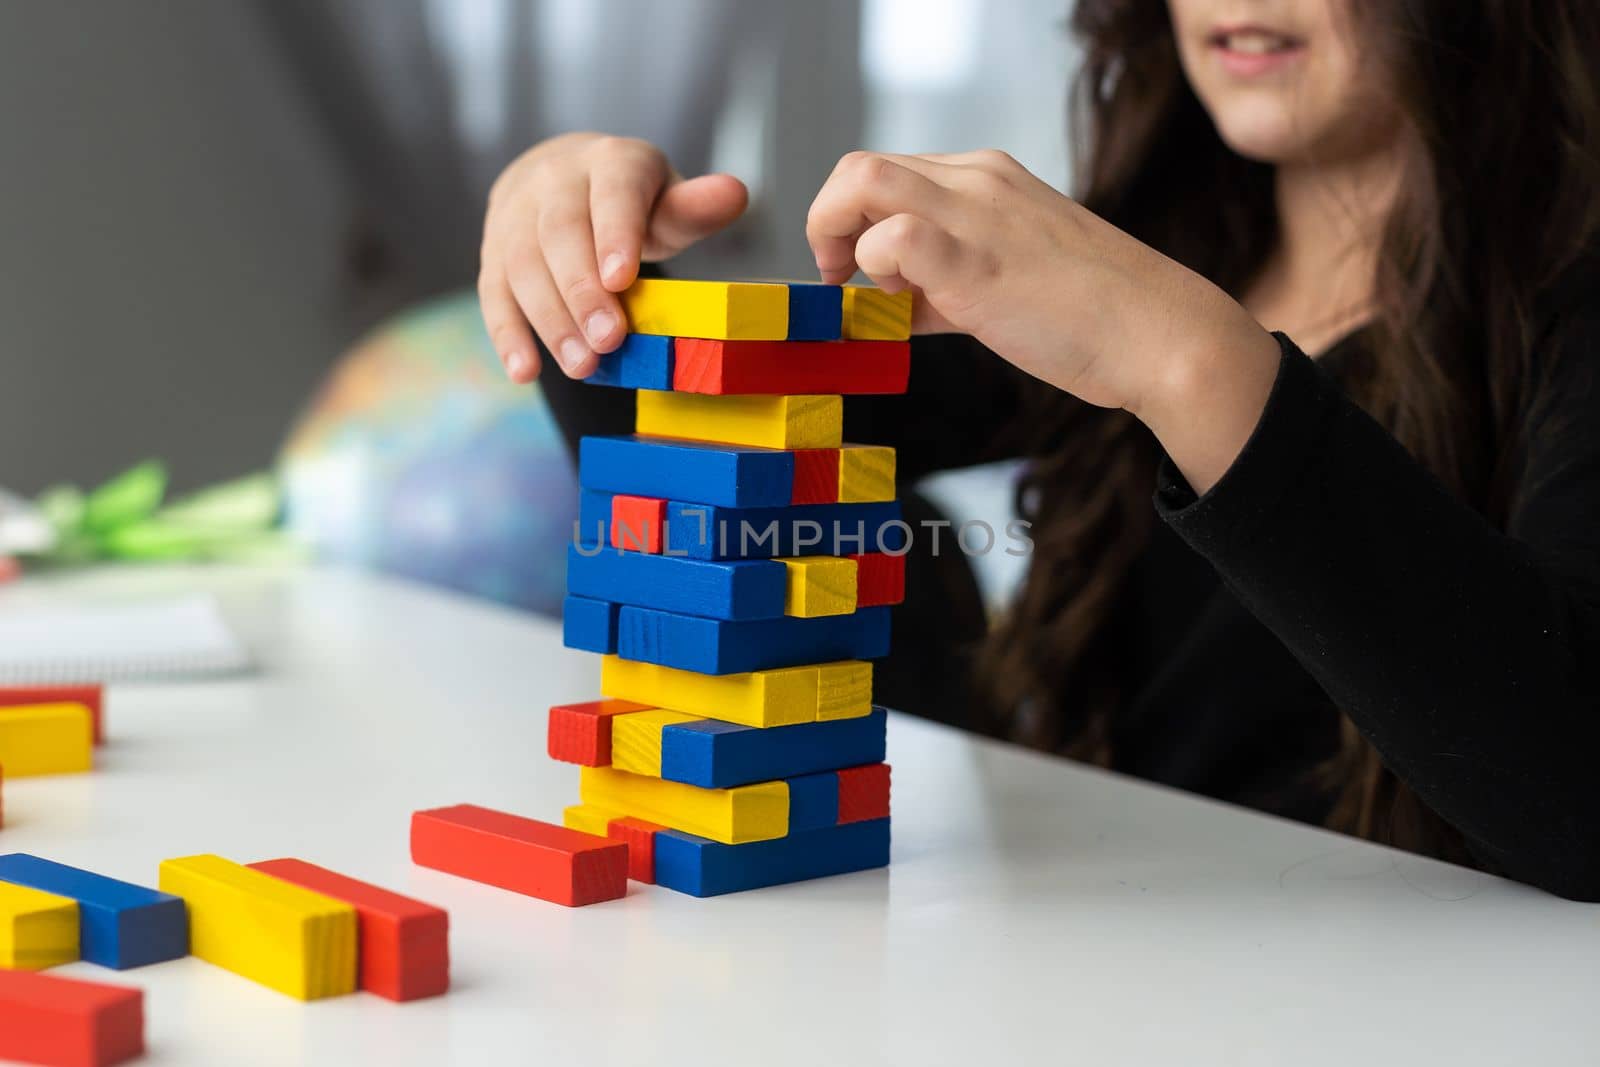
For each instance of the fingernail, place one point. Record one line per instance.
(572, 353)
(519, 365)
(599, 326)
(615, 263)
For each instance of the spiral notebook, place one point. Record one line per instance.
(180, 637)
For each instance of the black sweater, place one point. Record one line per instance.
(1326, 570)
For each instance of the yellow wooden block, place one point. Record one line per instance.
(873, 315)
(37, 929)
(733, 816)
(764, 421)
(844, 689)
(46, 739)
(263, 928)
(818, 585)
(587, 819)
(866, 473)
(781, 697)
(636, 739)
(745, 311)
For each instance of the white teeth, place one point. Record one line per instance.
(1255, 44)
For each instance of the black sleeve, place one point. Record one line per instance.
(1467, 655)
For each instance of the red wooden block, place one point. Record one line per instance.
(90, 696)
(10, 569)
(67, 1022)
(405, 944)
(784, 367)
(863, 793)
(637, 522)
(640, 837)
(816, 476)
(581, 733)
(880, 579)
(525, 856)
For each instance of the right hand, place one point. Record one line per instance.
(568, 223)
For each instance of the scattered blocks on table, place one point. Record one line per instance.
(589, 624)
(46, 739)
(784, 367)
(640, 837)
(37, 929)
(844, 690)
(819, 586)
(762, 421)
(722, 646)
(636, 739)
(702, 472)
(90, 696)
(816, 476)
(262, 928)
(745, 589)
(732, 816)
(523, 855)
(866, 472)
(642, 361)
(67, 1022)
(880, 580)
(715, 754)
(871, 314)
(581, 733)
(757, 698)
(703, 868)
(678, 308)
(404, 943)
(816, 312)
(636, 522)
(863, 793)
(121, 925)
(709, 531)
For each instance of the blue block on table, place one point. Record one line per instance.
(748, 589)
(705, 868)
(590, 625)
(121, 925)
(699, 471)
(707, 531)
(813, 801)
(642, 361)
(721, 646)
(718, 755)
(816, 312)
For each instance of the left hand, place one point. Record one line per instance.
(1043, 282)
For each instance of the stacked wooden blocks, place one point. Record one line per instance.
(735, 564)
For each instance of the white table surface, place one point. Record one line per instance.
(1036, 912)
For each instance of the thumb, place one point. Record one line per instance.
(690, 210)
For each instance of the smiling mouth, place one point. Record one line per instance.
(1252, 50)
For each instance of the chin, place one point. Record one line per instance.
(1266, 135)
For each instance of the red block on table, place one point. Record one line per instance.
(816, 476)
(637, 522)
(640, 837)
(863, 793)
(785, 367)
(581, 733)
(90, 696)
(880, 579)
(405, 944)
(525, 856)
(67, 1022)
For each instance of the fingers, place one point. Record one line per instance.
(904, 250)
(864, 189)
(508, 330)
(623, 184)
(542, 306)
(692, 210)
(566, 238)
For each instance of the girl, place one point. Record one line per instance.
(1368, 592)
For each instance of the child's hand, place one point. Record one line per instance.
(567, 225)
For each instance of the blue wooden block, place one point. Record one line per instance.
(749, 589)
(594, 518)
(642, 361)
(589, 624)
(702, 472)
(704, 868)
(705, 531)
(719, 646)
(816, 312)
(121, 925)
(813, 801)
(718, 755)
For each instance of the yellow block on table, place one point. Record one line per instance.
(732, 816)
(730, 311)
(873, 315)
(46, 739)
(265, 929)
(866, 473)
(818, 585)
(844, 689)
(763, 421)
(587, 819)
(636, 739)
(781, 697)
(37, 929)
